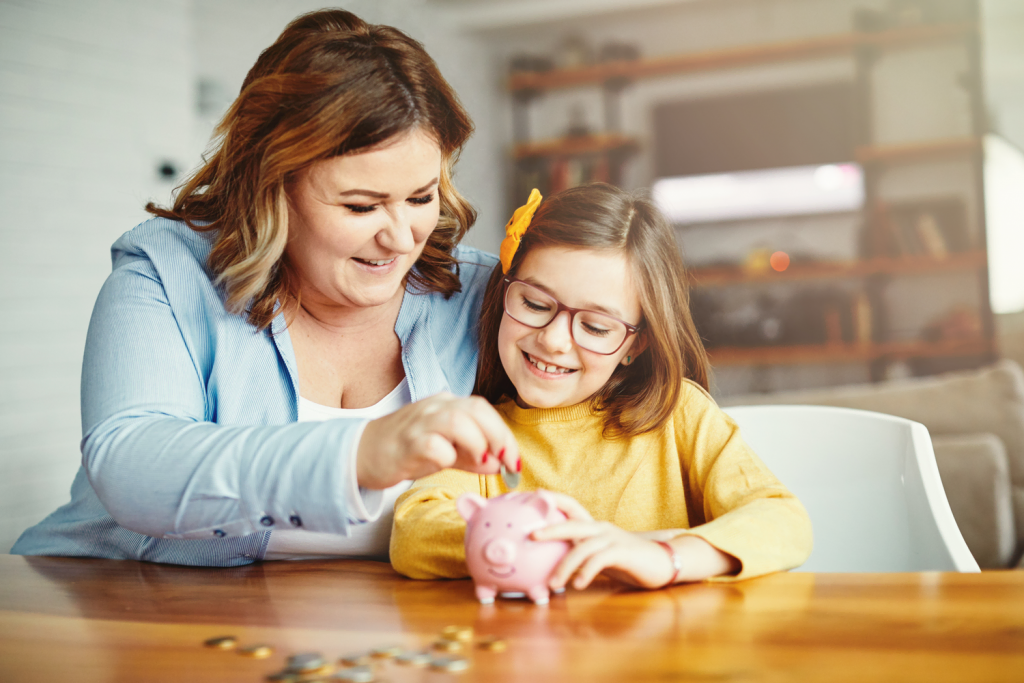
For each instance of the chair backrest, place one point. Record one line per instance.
(869, 482)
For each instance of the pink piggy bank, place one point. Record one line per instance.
(499, 552)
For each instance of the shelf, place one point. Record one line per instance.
(881, 154)
(577, 145)
(845, 353)
(735, 275)
(731, 57)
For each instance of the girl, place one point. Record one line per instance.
(589, 353)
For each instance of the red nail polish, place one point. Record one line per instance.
(501, 454)
(519, 465)
(487, 454)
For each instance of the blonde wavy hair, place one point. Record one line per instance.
(330, 84)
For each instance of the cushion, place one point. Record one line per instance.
(989, 400)
(976, 478)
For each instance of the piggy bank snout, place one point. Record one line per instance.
(500, 551)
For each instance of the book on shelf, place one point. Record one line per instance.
(934, 228)
(562, 172)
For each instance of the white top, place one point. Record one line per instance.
(376, 509)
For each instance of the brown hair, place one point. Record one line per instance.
(639, 397)
(331, 84)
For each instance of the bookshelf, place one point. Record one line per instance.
(833, 270)
(916, 151)
(574, 146)
(896, 243)
(690, 62)
(724, 356)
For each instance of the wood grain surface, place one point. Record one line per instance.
(100, 620)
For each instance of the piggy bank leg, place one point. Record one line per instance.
(539, 594)
(485, 594)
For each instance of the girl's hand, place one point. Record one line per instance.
(432, 434)
(570, 507)
(603, 547)
(632, 558)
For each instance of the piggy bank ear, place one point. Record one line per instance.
(469, 504)
(543, 502)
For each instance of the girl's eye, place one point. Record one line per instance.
(535, 306)
(361, 208)
(595, 331)
(422, 200)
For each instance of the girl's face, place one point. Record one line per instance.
(548, 369)
(357, 223)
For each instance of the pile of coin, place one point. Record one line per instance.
(447, 653)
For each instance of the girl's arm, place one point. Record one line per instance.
(744, 522)
(735, 502)
(428, 536)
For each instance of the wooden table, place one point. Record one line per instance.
(99, 620)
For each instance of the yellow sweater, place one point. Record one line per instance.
(694, 474)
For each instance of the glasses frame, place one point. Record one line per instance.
(630, 329)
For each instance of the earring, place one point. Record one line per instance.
(629, 359)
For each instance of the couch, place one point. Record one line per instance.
(976, 419)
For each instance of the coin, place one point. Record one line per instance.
(448, 645)
(285, 676)
(413, 658)
(492, 644)
(462, 634)
(221, 642)
(510, 478)
(449, 664)
(386, 652)
(356, 659)
(305, 662)
(357, 674)
(256, 651)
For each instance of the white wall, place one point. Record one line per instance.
(92, 96)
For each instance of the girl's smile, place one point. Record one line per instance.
(547, 367)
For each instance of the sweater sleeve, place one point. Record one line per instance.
(745, 510)
(428, 536)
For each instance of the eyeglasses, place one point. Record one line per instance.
(593, 331)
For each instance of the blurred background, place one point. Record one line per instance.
(845, 176)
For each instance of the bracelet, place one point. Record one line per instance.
(677, 562)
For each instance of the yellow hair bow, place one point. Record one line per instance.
(516, 228)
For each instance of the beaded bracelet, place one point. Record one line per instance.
(677, 562)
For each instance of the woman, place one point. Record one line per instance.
(308, 271)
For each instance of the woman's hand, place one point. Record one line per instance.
(432, 434)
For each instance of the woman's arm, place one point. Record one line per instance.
(151, 448)
(164, 465)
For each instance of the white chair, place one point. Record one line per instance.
(869, 482)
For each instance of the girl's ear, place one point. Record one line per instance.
(638, 347)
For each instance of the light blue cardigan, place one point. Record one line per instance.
(191, 451)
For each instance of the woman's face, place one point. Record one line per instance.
(547, 367)
(357, 223)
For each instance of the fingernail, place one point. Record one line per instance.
(519, 465)
(501, 454)
(487, 454)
